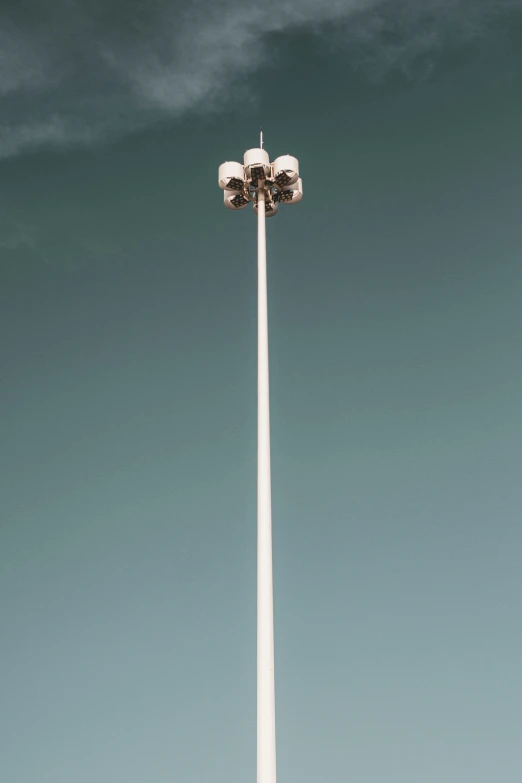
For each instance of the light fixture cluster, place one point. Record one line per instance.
(241, 182)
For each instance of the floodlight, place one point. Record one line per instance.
(231, 176)
(270, 207)
(285, 170)
(291, 194)
(235, 200)
(257, 165)
(281, 182)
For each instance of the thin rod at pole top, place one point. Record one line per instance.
(261, 139)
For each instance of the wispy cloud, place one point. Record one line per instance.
(77, 71)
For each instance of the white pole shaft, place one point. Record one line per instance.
(266, 746)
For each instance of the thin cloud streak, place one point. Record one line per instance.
(90, 70)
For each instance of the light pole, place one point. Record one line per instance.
(265, 185)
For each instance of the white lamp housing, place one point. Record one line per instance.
(234, 200)
(291, 194)
(271, 207)
(257, 166)
(231, 176)
(286, 170)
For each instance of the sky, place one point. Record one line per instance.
(128, 390)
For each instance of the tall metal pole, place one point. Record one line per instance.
(242, 185)
(266, 746)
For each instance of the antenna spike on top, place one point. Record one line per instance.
(261, 139)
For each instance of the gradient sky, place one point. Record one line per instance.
(128, 392)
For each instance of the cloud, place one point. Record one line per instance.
(79, 71)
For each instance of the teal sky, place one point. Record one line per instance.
(128, 391)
